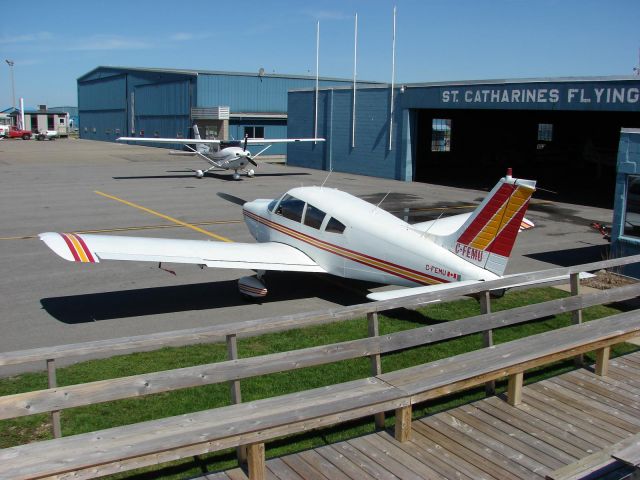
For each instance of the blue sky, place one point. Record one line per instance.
(52, 44)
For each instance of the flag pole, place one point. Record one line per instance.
(393, 78)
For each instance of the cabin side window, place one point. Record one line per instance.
(313, 217)
(334, 226)
(291, 208)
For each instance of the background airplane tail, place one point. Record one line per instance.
(487, 237)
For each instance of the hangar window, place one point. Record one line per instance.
(632, 207)
(313, 217)
(291, 208)
(441, 135)
(254, 132)
(545, 132)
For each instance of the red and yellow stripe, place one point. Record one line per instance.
(78, 248)
(361, 258)
(497, 225)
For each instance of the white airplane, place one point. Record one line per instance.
(320, 229)
(226, 155)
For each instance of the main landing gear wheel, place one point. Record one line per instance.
(236, 176)
(199, 174)
(250, 173)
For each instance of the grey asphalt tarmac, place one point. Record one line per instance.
(80, 185)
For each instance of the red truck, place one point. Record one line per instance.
(15, 132)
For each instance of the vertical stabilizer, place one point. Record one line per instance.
(487, 237)
(200, 147)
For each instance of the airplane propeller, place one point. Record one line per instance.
(248, 154)
(232, 198)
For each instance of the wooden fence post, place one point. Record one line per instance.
(514, 389)
(52, 382)
(234, 385)
(576, 315)
(485, 307)
(602, 361)
(376, 364)
(256, 462)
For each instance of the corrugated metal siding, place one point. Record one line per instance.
(104, 99)
(371, 155)
(251, 93)
(102, 107)
(163, 110)
(163, 98)
(103, 125)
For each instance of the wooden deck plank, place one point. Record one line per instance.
(620, 401)
(343, 463)
(485, 457)
(629, 451)
(620, 374)
(567, 414)
(411, 456)
(440, 458)
(609, 414)
(618, 386)
(380, 455)
(479, 433)
(362, 461)
(237, 474)
(550, 454)
(321, 464)
(441, 463)
(632, 369)
(281, 470)
(549, 434)
(541, 417)
(304, 469)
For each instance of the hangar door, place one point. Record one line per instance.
(163, 109)
(570, 153)
(102, 108)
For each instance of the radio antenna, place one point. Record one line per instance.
(327, 178)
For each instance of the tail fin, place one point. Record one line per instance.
(487, 237)
(202, 148)
(196, 132)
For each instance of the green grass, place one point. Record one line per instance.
(122, 412)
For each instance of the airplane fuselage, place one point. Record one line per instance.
(352, 238)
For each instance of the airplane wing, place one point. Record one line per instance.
(265, 141)
(191, 141)
(180, 141)
(249, 256)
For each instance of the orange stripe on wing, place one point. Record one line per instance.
(84, 247)
(71, 246)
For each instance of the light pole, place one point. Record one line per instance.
(13, 84)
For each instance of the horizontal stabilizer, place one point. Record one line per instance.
(408, 292)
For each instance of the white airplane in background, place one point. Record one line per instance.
(320, 229)
(226, 155)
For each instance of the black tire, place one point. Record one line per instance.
(26, 136)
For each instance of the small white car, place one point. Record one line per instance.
(47, 135)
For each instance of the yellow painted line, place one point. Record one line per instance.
(129, 229)
(166, 217)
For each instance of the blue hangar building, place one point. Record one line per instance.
(564, 132)
(124, 101)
